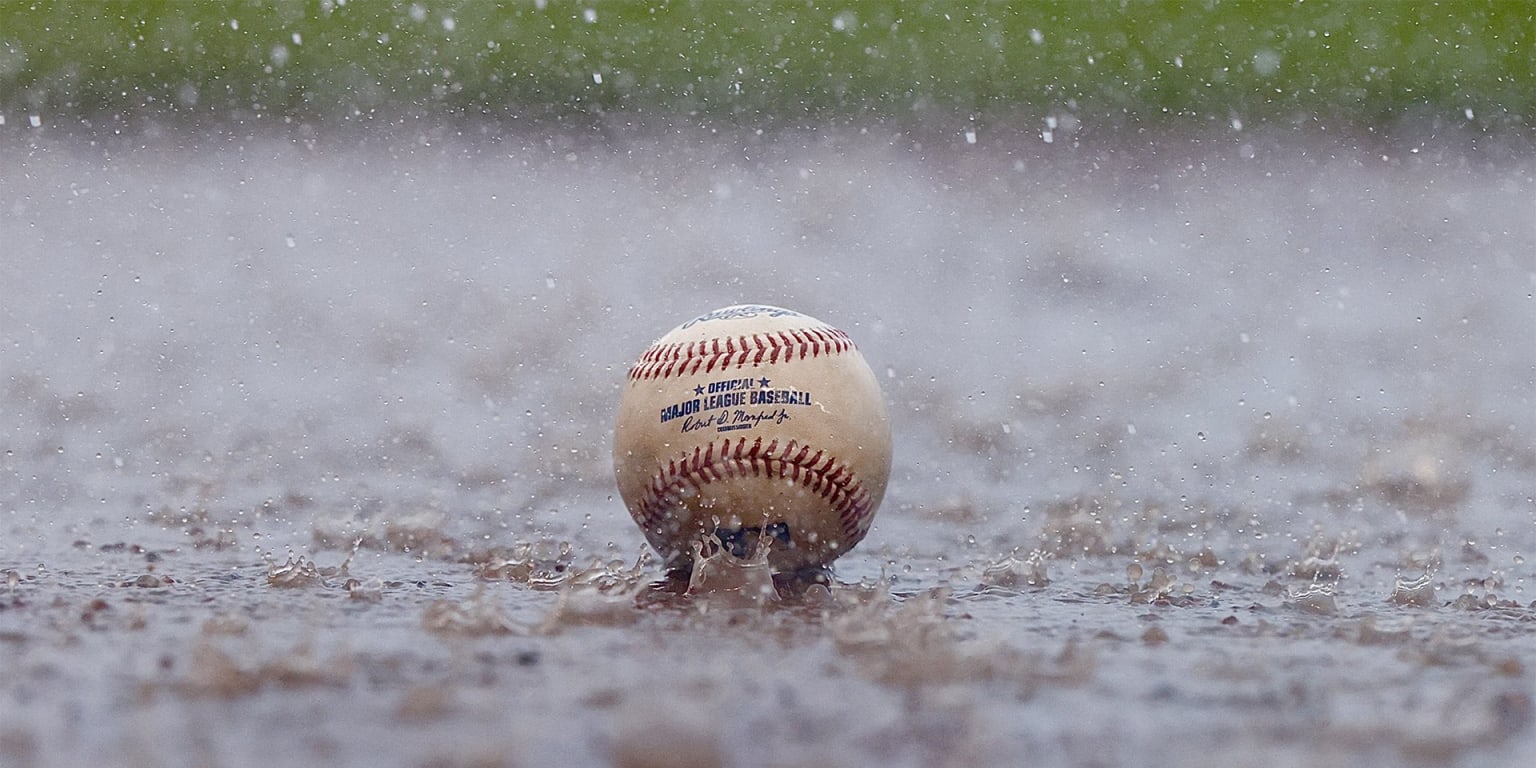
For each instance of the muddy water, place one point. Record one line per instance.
(1207, 453)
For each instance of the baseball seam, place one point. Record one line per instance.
(685, 358)
(814, 470)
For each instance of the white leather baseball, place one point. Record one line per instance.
(758, 425)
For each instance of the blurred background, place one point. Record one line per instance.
(1063, 68)
(1208, 332)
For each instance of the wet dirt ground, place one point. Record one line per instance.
(1209, 451)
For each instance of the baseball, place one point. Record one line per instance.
(757, 426)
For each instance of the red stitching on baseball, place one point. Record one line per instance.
(681, 358)
(823, 475)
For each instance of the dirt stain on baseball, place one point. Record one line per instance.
(1199, 459)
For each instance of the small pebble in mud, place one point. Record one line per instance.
(425, 703)
(370, 591)
(230, 623)
(1513, 712)
(92, 609)
(667, 745)
(17, 744)
(1509, 667)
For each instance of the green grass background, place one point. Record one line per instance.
(1131, 63)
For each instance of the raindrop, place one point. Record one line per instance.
(970, 136)
(35, 121)
(1266, 62)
